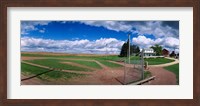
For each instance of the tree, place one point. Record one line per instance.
(136, 49)
(158, 49)
(172, 54)
(124, 50)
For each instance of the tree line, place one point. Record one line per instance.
(134, 49)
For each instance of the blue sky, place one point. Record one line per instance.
(58, 30)
(96, 37)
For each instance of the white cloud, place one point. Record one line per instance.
(165, 35)
(100, 46)
(42, 30)
(111, 25)
(169, 43)
(144, 42)
(27, 26)
(155, 28)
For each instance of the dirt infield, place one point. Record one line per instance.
(163, 77)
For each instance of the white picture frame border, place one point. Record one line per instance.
(182, 91)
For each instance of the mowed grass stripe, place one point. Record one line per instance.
(156, 61)
(34, 70)
(86, 63)
(29, 69)
(55, 63)
(92, 57)
(109, 64)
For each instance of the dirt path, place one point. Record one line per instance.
(100, 77)
(160, 65)
(167, 64)
(31, 58)
(122, 63)
(33, 81)
(163, 77)
(105, 76)
(102, 65)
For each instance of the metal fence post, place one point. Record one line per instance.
(142, 60)
(125, 71)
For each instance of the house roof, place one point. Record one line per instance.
(148, 50)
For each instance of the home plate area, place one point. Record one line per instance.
(130, 75)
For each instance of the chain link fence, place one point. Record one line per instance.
(133, 71)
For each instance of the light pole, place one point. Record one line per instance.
(142, 57)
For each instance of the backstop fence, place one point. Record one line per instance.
(133, 70)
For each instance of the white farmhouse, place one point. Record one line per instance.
(149, 52)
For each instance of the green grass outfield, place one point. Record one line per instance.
(134, 59)
(55, 63)
(151, 61)
(175, 69)
(92, 57)
(34, 70)
(109, 64)
(156, 61)
(86, 63)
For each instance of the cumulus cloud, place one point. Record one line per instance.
(42, 30)
(99, 46)
(169, 43)
(156, 28)
(27, 26)
(111, 25)
(145, 42)
(165, 33)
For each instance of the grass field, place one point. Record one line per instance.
(80, 64)
(109, 64)
(151, 61)
(147, 74)
(175, 69)
(86, 63)
(55, 63)
(97, 57)
(34, 70)
(156, 61)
